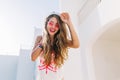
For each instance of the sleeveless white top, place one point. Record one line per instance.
(49, 72)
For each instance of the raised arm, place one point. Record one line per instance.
(74, 42)
(36, 49)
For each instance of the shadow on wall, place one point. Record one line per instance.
(105, 49)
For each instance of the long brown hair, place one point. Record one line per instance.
(59, 45)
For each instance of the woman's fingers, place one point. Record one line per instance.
(64, 16)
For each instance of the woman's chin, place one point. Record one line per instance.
(52, 34)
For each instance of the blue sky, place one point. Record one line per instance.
(18, 18)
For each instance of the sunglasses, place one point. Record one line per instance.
(51, 23)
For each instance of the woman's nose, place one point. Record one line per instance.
(53, 26)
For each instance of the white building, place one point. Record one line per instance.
(17, 67)
(97, 24)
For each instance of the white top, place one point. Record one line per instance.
(49, 72)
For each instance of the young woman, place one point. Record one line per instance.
(52, 47)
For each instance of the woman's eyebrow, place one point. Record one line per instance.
(53, 22)
(50, 21)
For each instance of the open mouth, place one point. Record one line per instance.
(52, 30)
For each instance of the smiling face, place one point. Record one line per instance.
(52, 26)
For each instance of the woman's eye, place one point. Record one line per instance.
(57, 26)
(50, 23)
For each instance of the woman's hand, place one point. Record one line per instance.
(65, 17)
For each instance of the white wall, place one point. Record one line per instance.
(26, 68)
(109, 10)
(8, 67)
(106, 11)
(107, 59)
(86, 30)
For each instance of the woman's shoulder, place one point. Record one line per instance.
(39, 37)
